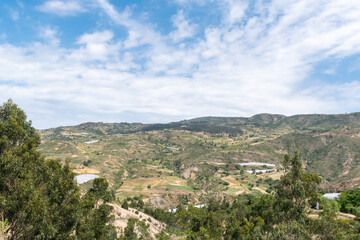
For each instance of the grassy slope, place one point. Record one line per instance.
(133, 156)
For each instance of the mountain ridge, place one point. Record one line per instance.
(262, 118)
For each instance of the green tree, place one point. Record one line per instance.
(134, 228)
(96, 213)
(177, 164)
(129, 230)
(200, 223)
(125, 205)
(295, 189)
(290, 231)
(162, 236)
(3, 228)
(264, 207)
(350, 201)
(39, 197)
(243, 229)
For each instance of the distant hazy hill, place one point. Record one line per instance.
(231, 125)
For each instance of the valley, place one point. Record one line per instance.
(188, 162)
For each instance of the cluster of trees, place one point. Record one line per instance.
(196, 127)
(283, 215)
(39, 198)
(350, 201)
(135, 202)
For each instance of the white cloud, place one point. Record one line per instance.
(62, 8)
(184, 28)
(14, 15)
(330, 71)
(3, 36)
(97, 37)
(96, 46)
(50, 34)
(20, 4)
(235, 10)
(139, 33)
(233, 70)
(187, 2)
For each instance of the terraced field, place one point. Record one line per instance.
(197, 159)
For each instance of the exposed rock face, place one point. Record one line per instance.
(342, 186)
(188, 172)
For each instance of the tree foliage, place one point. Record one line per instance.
(295, 189)
(279, 216)
(350, 201)
(39, 197)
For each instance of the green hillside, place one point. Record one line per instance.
(193, 159)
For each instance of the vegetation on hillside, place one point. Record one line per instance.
(181, 161)
(39, 198)
(350, 201)
(284, 215)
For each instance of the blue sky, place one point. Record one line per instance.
(66, 62)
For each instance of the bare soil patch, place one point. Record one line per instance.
(86, 171)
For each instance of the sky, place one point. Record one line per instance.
(67, 62)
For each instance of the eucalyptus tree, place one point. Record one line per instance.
(39, 198)
(295, 189)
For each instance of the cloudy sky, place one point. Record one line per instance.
(66, 62)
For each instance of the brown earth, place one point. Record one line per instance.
(86, 171)
(122, 216)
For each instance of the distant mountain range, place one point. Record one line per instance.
(235, 125)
